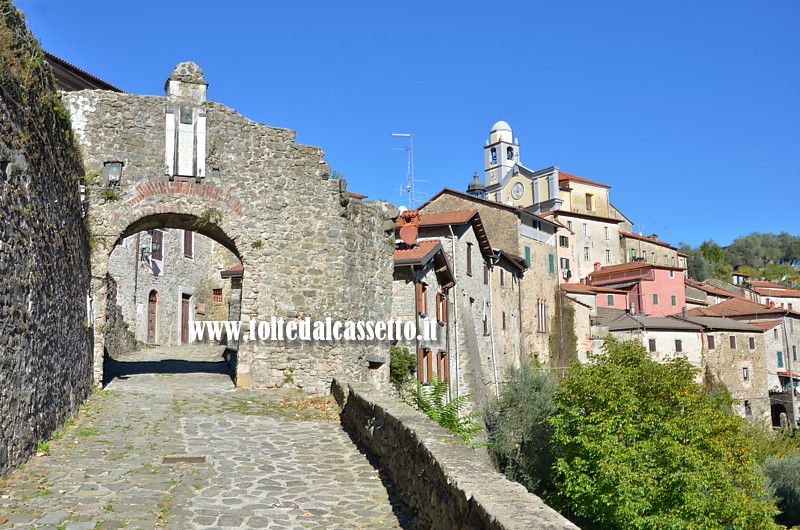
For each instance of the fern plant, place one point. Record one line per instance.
(432, 400)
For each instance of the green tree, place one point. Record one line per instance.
(784, 479)
(645, 447)
(720, 268)
(699, 267)
(519, 436)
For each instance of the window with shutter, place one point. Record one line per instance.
(188, 243)
(469, 259)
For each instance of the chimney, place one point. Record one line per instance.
(597, 266)
(654, 237)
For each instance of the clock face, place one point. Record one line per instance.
(517, 190)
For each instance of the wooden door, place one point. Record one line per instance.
(152, 302)
(185, 299)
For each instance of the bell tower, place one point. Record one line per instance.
(500, 154)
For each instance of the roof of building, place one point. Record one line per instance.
(632, 266)
(459, 217)
(421, 254)
(774, 289)
(517, 262)
(70, 78)
(708, 288)
(739, 273)
(697, 301)
(486, 202)
(628, 321)
(566, 177)
(648, 239)
(581, 288)
(237, 271)
(476, 184)
(766, 324)
(501, 126)
(738, 307)
(719, 323)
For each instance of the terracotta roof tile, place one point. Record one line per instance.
(632, 266)
(766, 324)
(446, 218)
(709, 289)
(647, 239)
(564, 177)
(581, 288)
(418, 253)
(736, 307)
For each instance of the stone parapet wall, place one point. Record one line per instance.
(443, 482)
(45, 338)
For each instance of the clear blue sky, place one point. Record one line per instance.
(689, 110)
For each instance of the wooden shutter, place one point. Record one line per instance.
(188, 244)
(419, 298)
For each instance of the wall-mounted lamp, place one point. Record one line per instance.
(113, 170)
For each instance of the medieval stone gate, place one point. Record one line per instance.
(308, 248)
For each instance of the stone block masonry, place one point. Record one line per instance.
(45, 338)
(445, 483)
(308, 249)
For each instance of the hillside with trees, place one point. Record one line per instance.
(769, 256)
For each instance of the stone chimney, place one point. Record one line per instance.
(597, 266)
(654, 237)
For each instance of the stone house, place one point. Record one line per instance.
(635, 247)
(421, 290)
(654, 290)
(704, 294)
(166, 279)
(485, 304)
(734, 354)
(781, 337)
(518, 232)
(771, 293)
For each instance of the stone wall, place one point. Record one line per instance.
(45, 344)
(307, 248)
(444, 483)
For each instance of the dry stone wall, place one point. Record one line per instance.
(443, 482)
(45, 344)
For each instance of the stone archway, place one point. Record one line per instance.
(309, 248)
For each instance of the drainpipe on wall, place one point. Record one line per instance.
(791, 373)
(491, 326)
(455, 302)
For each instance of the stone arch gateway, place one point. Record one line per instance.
(308, 248)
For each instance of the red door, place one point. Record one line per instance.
(185, 318)
(152, 301)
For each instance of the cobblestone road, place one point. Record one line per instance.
(256, 459)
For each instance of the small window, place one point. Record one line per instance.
(469, 259)
(442, 368)
(655, 298)
(569, 225)
(585, 230)
(651, 345)
(780, 359)
(542, 315)
(671, 274)
(551, 259)
(565, 264)
(217, 295)
(503, 315)
(156, 245)
(424, 365)
(678, 345)
(794, 353)
(422, 299)
(485, 325)
(510, 153)
(674, 300)
(485, 274)
(752, 343)
(563, 241)
(236, 283)
(711, 344)
(589, 202)
(586, 253)
(733, 342)
(502, 278)
(610, 300)
(494, 156)
(775, 333)
(528, 256)
(745, 374)
(606, 229)
(748, 408)
(188, 243)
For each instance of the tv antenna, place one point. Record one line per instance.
(410, 188)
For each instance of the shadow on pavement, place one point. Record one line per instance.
(114, 369)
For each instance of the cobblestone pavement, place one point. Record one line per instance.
(246, 458)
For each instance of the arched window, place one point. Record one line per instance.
(494, 155)
(510, 153)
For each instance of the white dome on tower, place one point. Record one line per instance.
(501, 132)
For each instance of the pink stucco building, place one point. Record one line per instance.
(654, 290)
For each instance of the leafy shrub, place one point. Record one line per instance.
(401, 365)
(432, 400)
(519, 435)
(783, 474)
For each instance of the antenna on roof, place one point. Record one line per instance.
(411, 181)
